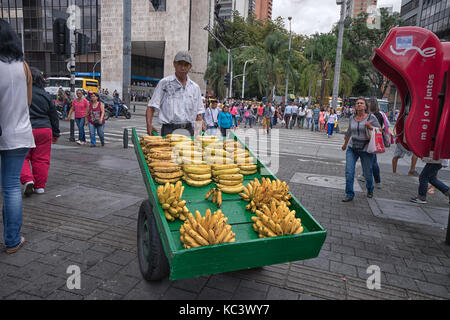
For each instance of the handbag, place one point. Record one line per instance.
(387, 137)
(376, 144)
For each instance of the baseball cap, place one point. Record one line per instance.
(183, 56)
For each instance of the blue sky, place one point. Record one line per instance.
(311, 16)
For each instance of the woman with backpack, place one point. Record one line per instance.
(95, 118)
(248, 116)
(45, 124)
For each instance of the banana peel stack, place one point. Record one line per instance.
(241, 157)
(159, 157)
(228, 178)
(169, 196)
(264, 192)
(207, 230)
(276, 220)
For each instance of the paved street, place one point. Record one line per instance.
(88, 218)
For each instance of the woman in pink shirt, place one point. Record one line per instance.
(79, 105)
(234, 112)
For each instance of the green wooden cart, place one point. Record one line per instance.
(161, 252)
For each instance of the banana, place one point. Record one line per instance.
(197, 169)
(168, 216)
(195, 183)
(246, 173)
(225, 172)
(248, 167)
(230, 182)
(209, 193)
(166, 206)
(214, 199)
(244, 160)
(169, 175)
(236, 176)
(166, 169)
(164, 164)
(231, 189)
(219, 198)
(187, 160)
(218, 167)
(199, 177)
(164, 181)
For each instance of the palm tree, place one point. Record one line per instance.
(216, 70)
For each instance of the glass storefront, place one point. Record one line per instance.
(33, 22)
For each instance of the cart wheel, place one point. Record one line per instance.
(152, 259)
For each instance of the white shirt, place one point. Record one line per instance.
(332, 118)
(211, 116)
(177, 104)
(295, 109)
(14, 111)
(309, 113)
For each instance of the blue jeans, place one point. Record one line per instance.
(248, 120)
(80, 125)
(65, 111)
(315, 126)
(211, 131)
(100, 131)
(11, 166)
(330, 128)
(429, 175)
(116, 106)
(351, 157)
(308, 122)
(376, 169)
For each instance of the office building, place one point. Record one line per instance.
(263, 9)
(433, 15)
(156, 37)
(355, 7)
(244, 7)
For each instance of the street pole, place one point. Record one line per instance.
(126, 51)
(93, 69)
(243, 77)
(289, 62)
(337, 69)
(72, 75)
(309, 87)
(228, 71)
(231, 73)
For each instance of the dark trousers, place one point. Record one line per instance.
(170, 128)
(293, 120)
(429, 175)
(287, 117)
(224, 131)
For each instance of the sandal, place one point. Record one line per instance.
(16, 248)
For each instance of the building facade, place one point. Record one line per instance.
(244, 7)
(157, 35)
(33, 22)
(263, 9)
(433, 15)
(355, 7)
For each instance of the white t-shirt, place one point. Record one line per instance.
(309, 113)
(14, 111)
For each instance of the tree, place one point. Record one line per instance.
(216, 70)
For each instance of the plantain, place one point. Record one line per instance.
(199, 177)
(164, 181)
(249, 172)
(234, 176)
(226, 172)
(195, 183)
(219, 198)
(169, 175)
(230, 182)
(197, 169)
(166, 169)
(231, 189)
(209, 193)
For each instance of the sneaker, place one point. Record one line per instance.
(378, 185)
(92, 146)
(39, 190)
(347, 199)
(28, 188)
(78, 142)
(16, 248)
(103, 143)
(417, 200)
(413, 173)
(369, 194)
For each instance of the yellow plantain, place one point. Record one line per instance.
(169, 175)
(162, 163)
(209, 193)
(247, 173)
(166, 169)
(195, 183)
(223, 166)
(219, 198)
(249, 167)
(197, 169)
(231, 189)
(234, 176)
(225, 172)
(199, 177)
(230, 182)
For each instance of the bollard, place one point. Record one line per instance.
(72, 130)
(125, 138)
(134, 107)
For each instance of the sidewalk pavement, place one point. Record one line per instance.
(88, 218)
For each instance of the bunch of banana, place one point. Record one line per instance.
(276, 220)
(206, 140)
(216, 196)
(204, 231)
(169, 196)
(264, 192)
(227, 178)
(177, 137)
(154, 141)
(197, 175)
